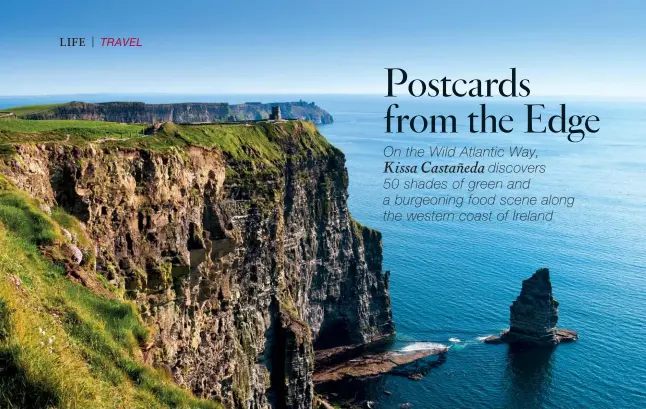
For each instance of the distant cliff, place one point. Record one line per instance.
(139, 112)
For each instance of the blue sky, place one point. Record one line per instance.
(564, 47)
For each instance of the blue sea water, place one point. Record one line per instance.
(452, 282)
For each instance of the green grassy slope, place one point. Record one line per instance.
(263, 142)
(30, 109)
(61, 344)
(24, 130)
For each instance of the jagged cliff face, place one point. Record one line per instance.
(138, 112)
(238, 271)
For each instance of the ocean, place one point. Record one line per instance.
(452, 282)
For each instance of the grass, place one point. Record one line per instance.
(71, 224)
(61, 345)
(264, 141)
(20, 214)
(30, 109)
(26, 130)
(266, 144)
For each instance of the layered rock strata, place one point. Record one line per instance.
(239, 267)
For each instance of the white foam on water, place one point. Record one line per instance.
(456, 340)
(482, 338)
(422, 346)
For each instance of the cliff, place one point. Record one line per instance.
(533, 316)
(138, 112)
(234, 241)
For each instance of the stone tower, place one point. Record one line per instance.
(275, 113)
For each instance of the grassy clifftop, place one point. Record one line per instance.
(30, 109)
(263, 142)
(63, 345)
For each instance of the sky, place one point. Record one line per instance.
(575, 47)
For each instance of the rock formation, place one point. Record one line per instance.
(533, 315)
(238, 266)
(138, 112)
(412, 365)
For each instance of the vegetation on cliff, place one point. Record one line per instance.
(30, 109)
(261, 142)
(63, 345)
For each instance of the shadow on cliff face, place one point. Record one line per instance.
(333, 334)
(274, 358)
(63, 181)
(529, 375)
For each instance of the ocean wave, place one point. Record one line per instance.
(422, 346)
(456, 340)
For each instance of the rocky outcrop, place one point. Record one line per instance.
(238, 267)
(138, 112)
(410, 364)
(533, 315)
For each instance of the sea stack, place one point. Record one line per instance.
(533, 316)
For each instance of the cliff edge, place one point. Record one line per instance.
(235, 242)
